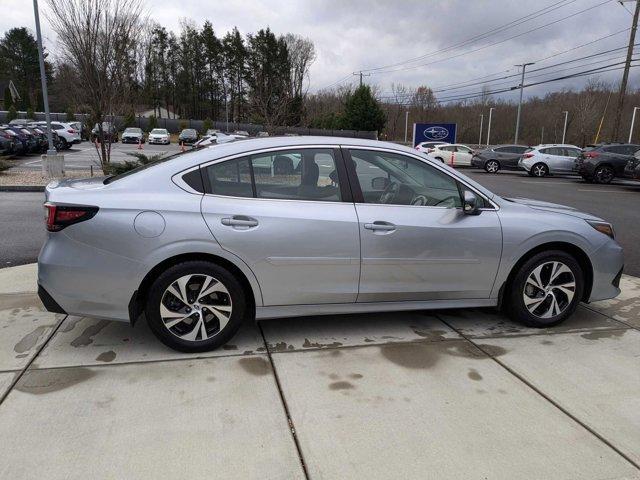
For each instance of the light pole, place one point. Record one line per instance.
(406, 125)
(489, 126)
(633, 120)
(43, 80)
(480, 137)
(524, 67)
(564, 130)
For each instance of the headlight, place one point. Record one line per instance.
(602, 227)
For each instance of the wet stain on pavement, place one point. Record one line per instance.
(70, 324)
(341, 386)
(257, 366)
(429, 335)
(29, 340)
(86, 337)
(493, 350)
(229, 347)
(546, 342)
(599, 334)
(279, 347)
(355, 376)
(474, 375)
(106, 357)
(38, 382)
(309, 344)
(424, 356)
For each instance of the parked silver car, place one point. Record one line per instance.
(543, 160)
(292, 226)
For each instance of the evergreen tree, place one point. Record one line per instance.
(8, 99)
(153, 123)
(362, 111)
(70, 115)
(12, 113)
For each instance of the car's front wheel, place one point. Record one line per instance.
(546, 290)
(492, 166)
(195, 306)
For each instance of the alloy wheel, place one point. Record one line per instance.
(539, 170)
(549, 289)
(604, 175)
(195, 307)
(492, 166)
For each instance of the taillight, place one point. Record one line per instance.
(591, 154)
(58, 217)
(527, 155)
(71, 131)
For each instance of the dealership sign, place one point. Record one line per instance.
(434, 132)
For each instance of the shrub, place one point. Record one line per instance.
(130, 120)
(206, 125)
(70, 115)
(183, 124)
(12, 113)
(4, 165)
(30, 113)
(153, 123)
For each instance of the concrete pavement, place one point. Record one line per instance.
(447, 394)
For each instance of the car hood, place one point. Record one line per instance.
(553, 207)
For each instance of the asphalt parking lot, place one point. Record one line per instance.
(429, 395)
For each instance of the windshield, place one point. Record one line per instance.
(189, 131)
(133, 130)
(114, 178)
(159, 131)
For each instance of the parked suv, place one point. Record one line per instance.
(499, 157)
(602, 163)
(68, 132)
(428, 147)
(542, 160)
(188, 136)
(110, 132)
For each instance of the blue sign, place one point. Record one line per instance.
(434, 132)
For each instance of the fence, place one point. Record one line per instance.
(175, 125)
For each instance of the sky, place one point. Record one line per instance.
(457, 41)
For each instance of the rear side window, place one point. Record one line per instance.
(619, 149)
(231, 178)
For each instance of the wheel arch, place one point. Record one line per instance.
(138, 299)
(581, 257)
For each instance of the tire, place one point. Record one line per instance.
(492, 166)
(587, 179)
(187, 319)
(541, 312)
(539, 170)
(438, 158)
(603, 174)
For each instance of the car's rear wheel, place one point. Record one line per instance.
(440, 158)
(603, 174)
(195, 306)
(540, 170)
(492, 166)
(546, 290)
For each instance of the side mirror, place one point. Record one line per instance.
(470, 206)
(379, 183)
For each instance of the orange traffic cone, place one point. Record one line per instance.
(139, 144)
(182, 146)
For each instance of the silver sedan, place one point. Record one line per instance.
(293, 226)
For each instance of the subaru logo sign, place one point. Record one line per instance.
(430, 132)
(436, 133)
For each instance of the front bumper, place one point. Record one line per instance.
(523, 165)
(607, 263)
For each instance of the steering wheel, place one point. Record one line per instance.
(419, 201)
(390, 192)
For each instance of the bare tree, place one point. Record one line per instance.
(301, 55)
(99, 39)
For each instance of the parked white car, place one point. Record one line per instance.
(428, 147)
(159, 135)
(69, 132)
(542, 160)
(454, 154)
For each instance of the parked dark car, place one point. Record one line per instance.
(499, 157)
(40, 137)
(132, 135)
(632, 168)
(188, 136)
(30, 143)
(109, 130)
(17, 148)
(7, 143)
(58, 143)
(603, 162)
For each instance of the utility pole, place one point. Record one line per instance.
(489, 126)
(480, 137)
(542, 136)
(564, 130)
(625, 74)
(360, 74)
(43, 80)
(406, 125)
(524, 67)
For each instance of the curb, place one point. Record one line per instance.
(22, 188)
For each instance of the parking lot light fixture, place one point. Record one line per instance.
(480, 137)
(564, 130)
(633, 120)
(43, 79)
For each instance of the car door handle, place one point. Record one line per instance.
(240, 221)
(384, 226)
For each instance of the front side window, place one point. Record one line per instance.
(388, 178)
